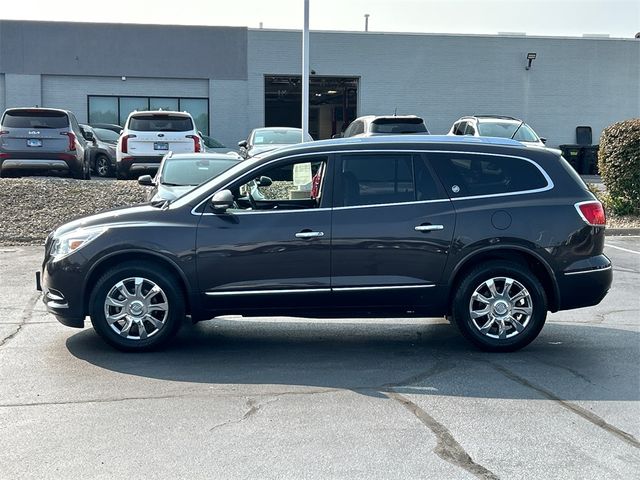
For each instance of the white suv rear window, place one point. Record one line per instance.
(160, 123)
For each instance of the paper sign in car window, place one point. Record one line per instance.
(258, 140)
(302, 174)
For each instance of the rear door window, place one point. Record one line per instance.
(472, 175)
(35, 119)
(160, 123)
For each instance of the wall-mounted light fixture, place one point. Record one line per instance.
(123, 78)
(531, 56)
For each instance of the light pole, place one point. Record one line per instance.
(305, 72)
(366, 22)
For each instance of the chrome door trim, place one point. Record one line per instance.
(267, 292)
(379, 287)
(592, 270)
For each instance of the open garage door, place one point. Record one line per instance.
(333, 103)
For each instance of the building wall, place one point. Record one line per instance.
(22, 90)
(2, 93)
(443, 77)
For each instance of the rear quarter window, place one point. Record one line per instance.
(471, 175)
(160, 123)
(35, 119)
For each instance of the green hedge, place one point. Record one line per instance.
(619, 163)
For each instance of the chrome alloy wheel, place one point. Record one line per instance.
(102, 166)
(500, 308)
(136, 308)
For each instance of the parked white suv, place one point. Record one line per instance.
(149, 135)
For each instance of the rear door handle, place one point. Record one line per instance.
(309, 234)
(428, 228)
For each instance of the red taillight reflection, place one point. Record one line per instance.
(72, 140)
(196, 143)
(592, 213)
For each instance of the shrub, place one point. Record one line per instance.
(619, 163)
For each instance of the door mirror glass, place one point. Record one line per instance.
(543, 140)
(242, 144)
(264, 181)
(222, 200)
(145, 180)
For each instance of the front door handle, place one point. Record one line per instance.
(309, 234)
(428, 228)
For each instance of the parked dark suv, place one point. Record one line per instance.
(42, 139)
(484, 231)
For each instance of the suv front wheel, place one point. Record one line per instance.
(500, 306)
(137, 306)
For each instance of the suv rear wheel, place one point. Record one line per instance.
(137, 306)
(500, 306)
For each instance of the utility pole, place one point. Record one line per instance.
(305, 72)
(366, 22)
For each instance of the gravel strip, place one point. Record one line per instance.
(31, 207)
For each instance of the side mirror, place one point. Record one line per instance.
(146, 181)
(221, 201)
(338, 135)
(264, 181)
(543, 140)
(243, 144)
(88, 136)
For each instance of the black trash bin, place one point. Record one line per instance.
(589, 160)
(573, 155)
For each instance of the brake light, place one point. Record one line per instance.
(72, 140)
(592, 212)
(4, 132)
(124, 148)
(196, 143)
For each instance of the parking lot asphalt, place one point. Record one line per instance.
(295, 398)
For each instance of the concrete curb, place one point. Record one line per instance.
(613, 232)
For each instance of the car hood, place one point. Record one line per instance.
(256, 149)
(114, 217)
(168, 192)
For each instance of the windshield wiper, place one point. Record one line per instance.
(514, 133)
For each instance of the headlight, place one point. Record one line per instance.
(69, 242)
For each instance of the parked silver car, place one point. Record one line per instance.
(102, 149)
(182, 172)
(262, 140)
(42, 139)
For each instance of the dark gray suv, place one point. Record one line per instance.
(42, 139)
(484, 231)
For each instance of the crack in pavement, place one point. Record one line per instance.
(578, 410)
(159, 397)
(253, 409)
(26, 314)
(447, 447)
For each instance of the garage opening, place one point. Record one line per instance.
(332, 103)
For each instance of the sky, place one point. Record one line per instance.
(618, 18)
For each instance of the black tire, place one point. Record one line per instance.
(102, 166)
(170, 320)
(512, 340)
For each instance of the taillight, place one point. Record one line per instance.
(4, 132)
(72, 140)
(196, 143)
(124, 148)
(592, 212)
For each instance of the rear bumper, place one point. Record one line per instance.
(587, 286)
(42, 161)
(139, 164)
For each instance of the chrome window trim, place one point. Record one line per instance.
(549, 185)
(591, 270)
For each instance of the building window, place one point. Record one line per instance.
(114, 109)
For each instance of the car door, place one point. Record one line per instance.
(392, 229)
(271, 252)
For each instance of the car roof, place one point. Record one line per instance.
(163, 112)
(370, 118)
(37, 109)
(490, 117)
(277, 128)
(204, 156)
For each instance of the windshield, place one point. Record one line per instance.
(160, 123)
(193, 171)
(278, 137)
(35, 119)
(106, 135)
(506, 129)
